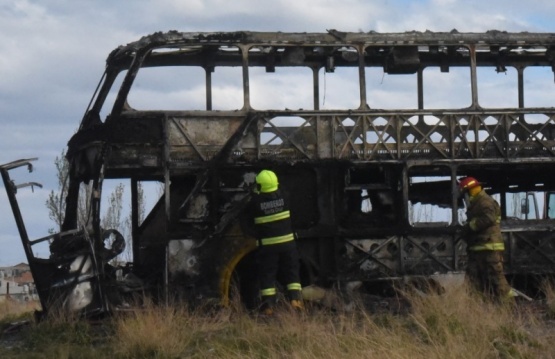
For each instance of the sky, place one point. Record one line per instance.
(52, 55)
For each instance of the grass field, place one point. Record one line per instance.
(451, 325)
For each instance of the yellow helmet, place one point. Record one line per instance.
(267, 180)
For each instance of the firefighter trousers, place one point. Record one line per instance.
(278, 262)
(484, 272)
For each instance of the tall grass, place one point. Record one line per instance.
(451, 325)
(11, 310)
(59, 335)
(549, 289)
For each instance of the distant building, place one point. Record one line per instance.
(17, 283)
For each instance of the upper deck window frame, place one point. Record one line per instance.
(500, 49)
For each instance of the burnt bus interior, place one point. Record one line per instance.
(372, 178)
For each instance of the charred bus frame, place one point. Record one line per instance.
(355, 173)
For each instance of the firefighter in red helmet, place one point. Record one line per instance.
(277, 254)
(484, 241)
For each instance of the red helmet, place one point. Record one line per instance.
(468, 183)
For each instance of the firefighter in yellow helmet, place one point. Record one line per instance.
(277, 255)
(484, 241)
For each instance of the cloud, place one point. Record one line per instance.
(279, 15)
(464, 16)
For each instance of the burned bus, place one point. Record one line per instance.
(367, 132)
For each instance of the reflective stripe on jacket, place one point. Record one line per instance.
(272, 217)
(488, 247)
(276, 240)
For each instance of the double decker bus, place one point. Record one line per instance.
(367, 132)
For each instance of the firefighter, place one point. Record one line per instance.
(484, 241)
(277, 255)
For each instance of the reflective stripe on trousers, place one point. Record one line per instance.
(294, 286)
(268, 292)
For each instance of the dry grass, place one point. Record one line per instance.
(452, 325)
(11, 310)
(456, 325)
(549, 289)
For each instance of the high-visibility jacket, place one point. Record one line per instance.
(483, 221)
(272, 218)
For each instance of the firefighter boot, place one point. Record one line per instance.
(297, 305)
(268, 304)
(267, 312)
